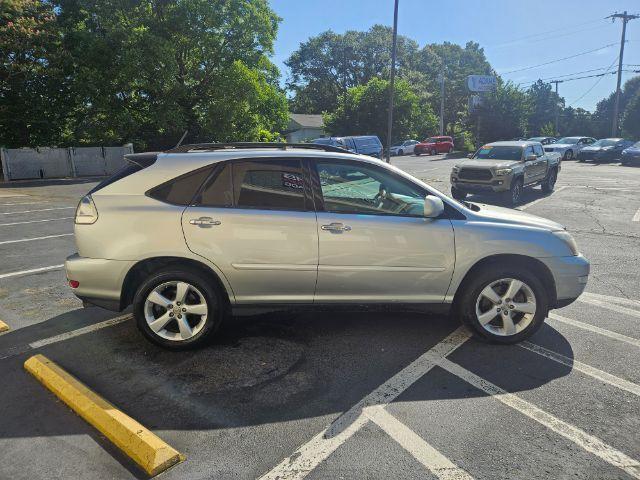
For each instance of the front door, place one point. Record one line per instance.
(374, 243)
(255, 221)
(530, 166)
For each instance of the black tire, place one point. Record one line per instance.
(417, 154)
(458, 194)
(568, 155)
(549, 183)
(433, 151)
(216, 306)
(400, 152)
(514, 195)
(466, 302)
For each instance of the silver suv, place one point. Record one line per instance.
(189, 235)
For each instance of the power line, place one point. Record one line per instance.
(561, 76)
(547, 37)
(592, 86)
(545, 32)
(558, 60)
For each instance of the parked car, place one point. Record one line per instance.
(505, 168)
(568, 147)
(204, 230)
(434, 145)
(606, 149)
(543, 140)
(362, 144)
(403, 148)
(631, 154)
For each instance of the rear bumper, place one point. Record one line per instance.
(100, 280)
(570, 275)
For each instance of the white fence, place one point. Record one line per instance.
(45, 162)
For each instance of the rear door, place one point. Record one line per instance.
(374, 243)
(255, 220)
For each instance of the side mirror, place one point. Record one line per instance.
(469, 155)
(531, 158)
(433, 206)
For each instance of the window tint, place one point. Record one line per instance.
(269, 184)
(354, 188)
(218, 191)
(180, 190)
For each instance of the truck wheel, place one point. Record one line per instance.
(503, 304)
(458, 194)
(514, 195)
(550, 182)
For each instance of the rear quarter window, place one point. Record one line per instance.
(180, 190)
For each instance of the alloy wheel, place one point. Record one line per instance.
(176, 310)
(516, 193)
(506, 307)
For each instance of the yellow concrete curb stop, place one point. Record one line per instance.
(3, 327)
(148, 450)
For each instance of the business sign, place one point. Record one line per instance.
(481, 83)
(475, 101)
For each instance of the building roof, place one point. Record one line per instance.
(307, 120)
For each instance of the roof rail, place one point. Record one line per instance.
(235, 145)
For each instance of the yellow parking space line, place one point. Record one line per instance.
(149, 451)
(3, 327)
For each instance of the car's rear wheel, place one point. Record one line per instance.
(568, 155)
(504, 304)
(177, 308)
(549, 183)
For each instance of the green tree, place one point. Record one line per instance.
(631, 117)
(548, 130)
(325, 66)
(543, 103)
(363, 111)
(603, 115)
(502, 115)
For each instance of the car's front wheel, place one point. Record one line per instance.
(400, 152)
(568, 155)
(514, 194)
(458, 194)
(504, 304)
(433, 151)
(177, 308)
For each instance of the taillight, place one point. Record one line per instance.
(86, 212)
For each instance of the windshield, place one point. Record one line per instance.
(569, 140)
(604, 143)
(430, 140)
(502, 152)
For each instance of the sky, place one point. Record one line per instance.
(515, 34)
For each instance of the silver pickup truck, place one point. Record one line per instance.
(505, 168)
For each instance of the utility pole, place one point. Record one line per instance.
(557, 132)
(442, 103)
(392, 79)
(616, 104)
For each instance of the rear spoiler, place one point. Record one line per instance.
(143, 160)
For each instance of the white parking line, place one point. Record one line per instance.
(636, 217)
(35, 238)
(528, 205)
(29, 272)
(592, 328)
(21, 203)
(610, 306)
(608, 298)
(581, 438)
(605, 377)
(8, 195)
(38, 210)
(34, 221)
(306, 458)
(424, 453)
(80, 331)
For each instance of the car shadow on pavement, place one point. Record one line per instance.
(528, 195)
(262, 369)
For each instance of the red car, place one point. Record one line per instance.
(434, 145)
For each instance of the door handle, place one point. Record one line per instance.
(336, 227)
(204, 222)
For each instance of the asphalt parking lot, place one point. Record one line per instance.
(351, 395)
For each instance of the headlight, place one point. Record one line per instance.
(86, 212)
(568, 241)
(455, 169)
(503, 171)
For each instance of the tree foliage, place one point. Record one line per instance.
(631, 118)
(502, 115)
(148, 70)
(364, 109)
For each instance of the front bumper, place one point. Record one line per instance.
(100, 280)
(570, 275)
(495, 185)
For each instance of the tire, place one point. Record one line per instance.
(514, 195)
(568, 155)
(417, 154)
(433, 151)
(400, 152)
(549, 183)
(458, 194)
(475, 308)
(171, 334)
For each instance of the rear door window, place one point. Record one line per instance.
(277, 184)
(180, 190)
